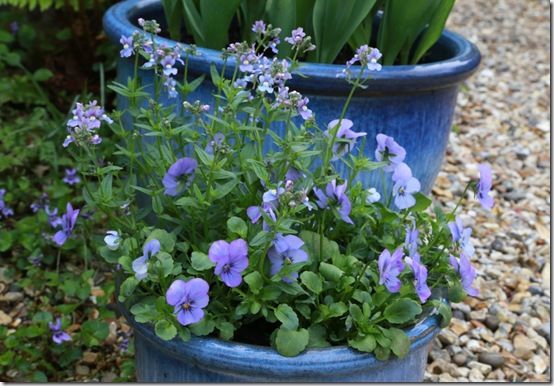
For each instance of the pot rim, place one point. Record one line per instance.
(219, 355)
(321, 78)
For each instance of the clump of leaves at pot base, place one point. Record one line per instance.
(270, 247)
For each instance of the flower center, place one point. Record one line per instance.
(186, 306)
(288, 260)
(227, 268)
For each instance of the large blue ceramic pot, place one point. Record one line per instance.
(412, 103)
(216, 360)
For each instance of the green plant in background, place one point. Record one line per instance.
(406, 32)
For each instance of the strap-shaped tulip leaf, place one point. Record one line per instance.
(173, 10)
(362, 34)
(334, 23)
(209, 20)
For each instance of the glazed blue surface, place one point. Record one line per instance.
(216, 360)
(412, 103)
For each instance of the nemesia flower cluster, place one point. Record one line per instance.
(210, 233)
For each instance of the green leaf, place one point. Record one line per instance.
(318, 335)
(202, 328)
(42, 74)
(312, 281)
(402, 311)
(173, 10)
(226, 330)
(200, 261)
(93, 332)
(286, 315)
(255, 281)
(434, 30)
(366, 343)
(167, 240)
(400, 343)
(382, 353)
(127, 287)
(165, 330)
(325, 248)
(330, 272)
(422, 203)
(237, 226)
(444, 310)
(42, 317)
(337, 309)
(291, 343)
(456, 293)
(6, 240)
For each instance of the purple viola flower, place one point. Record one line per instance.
(405, 185)
(14, 27)
(140, 264)
(467, 273)
(230, 260)
(53, 217)
(255, 213)
(390, 267)
(68, 221)
(179, 176)
(259, 27)
(297, 37)
(271, 197)
(462, 236)
(484, 186)
(127, 43)
(372, 196)
(71, 177)
(346, 138)
(5, 211)
(293, 174)
(189, 298)
(335, 193)
(286, 250)
(112, 240)
(40, 203)
(420, 276)
(58, 335)
(412, 240)
(389, 151)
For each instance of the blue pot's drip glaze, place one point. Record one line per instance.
(216, 360)
(412, 103)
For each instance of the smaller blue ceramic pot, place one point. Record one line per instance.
(216, 360)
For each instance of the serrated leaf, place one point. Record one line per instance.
(312, 281)
(365, 344)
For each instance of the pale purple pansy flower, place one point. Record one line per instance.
(179, 176)
(286, 250)
(346, 138)
(112, 240)
(484, 186)
(335, 194)
(462, 236)
(467, 273)
(58, 335)
(230, 259)
(127, 43)
(140, 264)
(389, 151)
(405, 185)
(71, 177)
(420, 277)
(189, 298)
(67, 223)
(390, 267)
(372, 196)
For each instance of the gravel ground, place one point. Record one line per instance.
(502, 118)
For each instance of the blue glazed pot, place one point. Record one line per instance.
(216, 360)
(412, 103)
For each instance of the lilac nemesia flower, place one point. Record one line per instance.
(302, 108)
(67, 223)
(230, 260)
(389, 151)
(462, 236)
(484, 186)
(297, 37)
(84, 123)
(179, 176)
(140, 264)
(255, 213)
(293, 174)
(347, 138)
(420, 276)
(259, 27)
(127, 43)
(216, 144)
(271, 197)
(390, 267)
(71, 177)
(188, 299)
(286, 250)
(405, 185)
(335, 193)
(58, 336)
(467, 273)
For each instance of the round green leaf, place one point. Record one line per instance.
(291, 343)
(165, 330)
(402, 311)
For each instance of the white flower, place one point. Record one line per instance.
(372, 196)
(112, 240)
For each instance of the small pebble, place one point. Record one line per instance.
(493, 359)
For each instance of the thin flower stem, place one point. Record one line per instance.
(58, 258)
